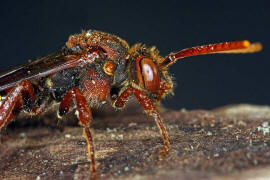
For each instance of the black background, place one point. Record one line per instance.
(30, 29)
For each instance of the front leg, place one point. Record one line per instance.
(149, 108)
(85, 117)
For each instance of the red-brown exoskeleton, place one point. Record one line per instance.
(91, 67)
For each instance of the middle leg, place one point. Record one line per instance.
(85, 118)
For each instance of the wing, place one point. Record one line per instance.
(39, 68)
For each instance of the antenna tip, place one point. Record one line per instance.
(255, 47)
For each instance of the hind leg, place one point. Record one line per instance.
(14, 99)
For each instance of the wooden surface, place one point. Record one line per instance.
(229, 143)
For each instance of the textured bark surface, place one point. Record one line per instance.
(228, 143)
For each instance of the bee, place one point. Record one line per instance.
(91, 68)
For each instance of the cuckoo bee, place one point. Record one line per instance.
(92, 67)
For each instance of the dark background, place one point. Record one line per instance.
(30, 29)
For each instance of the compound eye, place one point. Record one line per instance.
(148, 74)
(109, 67)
